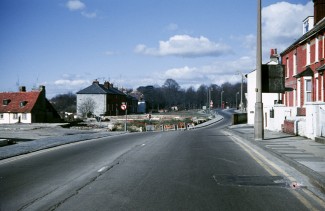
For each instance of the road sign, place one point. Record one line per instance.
(123, 107)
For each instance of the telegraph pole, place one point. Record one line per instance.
(258, 121)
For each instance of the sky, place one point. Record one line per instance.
(66, 44)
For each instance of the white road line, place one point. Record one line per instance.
(102, 169)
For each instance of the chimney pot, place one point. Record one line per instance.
(22, 89)
(106, 84)
(96, 82)
(319, 10)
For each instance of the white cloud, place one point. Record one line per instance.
(68, 82)
(186, 46)
(218, 72)
(182, 73)
(282, 23)
(75, 5)
(89, 15)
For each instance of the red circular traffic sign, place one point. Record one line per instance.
(123, 107)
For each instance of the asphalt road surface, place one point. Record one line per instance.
(203, 169)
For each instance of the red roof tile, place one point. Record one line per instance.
(15, 99)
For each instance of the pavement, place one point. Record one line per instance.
(214, 118)
(305, 155)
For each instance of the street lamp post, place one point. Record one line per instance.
(258, 121)
(241, 91)
(236, 100)
(221, 100)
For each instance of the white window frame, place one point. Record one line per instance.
(294, 101)
(317, 87)
(287, 67)
(298, 92)
(322, 87)
(323, 51)
(295, 64)
(15, 116)
(306, 79)
(316, 49)
(308, 53)
(24, 116)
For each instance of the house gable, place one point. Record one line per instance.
(27, 107)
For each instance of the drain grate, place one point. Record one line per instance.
(235, 180)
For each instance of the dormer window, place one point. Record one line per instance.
(6, 101)
(23, 103)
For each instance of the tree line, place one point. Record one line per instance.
(171, 95)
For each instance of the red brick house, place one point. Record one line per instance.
(106, 100)
(26, 107)
(304, 62)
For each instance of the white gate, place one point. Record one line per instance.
(322, 121)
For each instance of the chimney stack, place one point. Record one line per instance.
(319, 10)
(96, 82)
(42, 90)
(106, 84)
(274, 55)
(22, 88)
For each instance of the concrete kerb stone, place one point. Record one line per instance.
(3, 142)
(208, 123)
(314, 177)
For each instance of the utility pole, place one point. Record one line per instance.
(258, 121)
(221, 100)
(236, 100)
(126, 117)
(241, 91)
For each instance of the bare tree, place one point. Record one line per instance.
(87, 107)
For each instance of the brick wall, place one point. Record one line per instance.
(289, 127)
(301, 111)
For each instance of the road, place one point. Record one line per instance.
(203, 169)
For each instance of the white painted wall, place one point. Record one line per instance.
(281, 112)
(267, 99)
(314, 121)
(8, 118)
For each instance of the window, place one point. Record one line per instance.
(295, 64)
(287, 68)
(1, 116)
(23, 103)
(316, 49)
(298, 93)
(306, 26)
(317, 86)
(323, 48)
(15, 116)
(308, 53)
(6, 101)
(294, 97)
(308, 90)
(24, 116)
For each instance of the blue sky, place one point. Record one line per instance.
(65, 45)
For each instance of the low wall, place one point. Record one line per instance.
(289, 127)
(239, 118)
